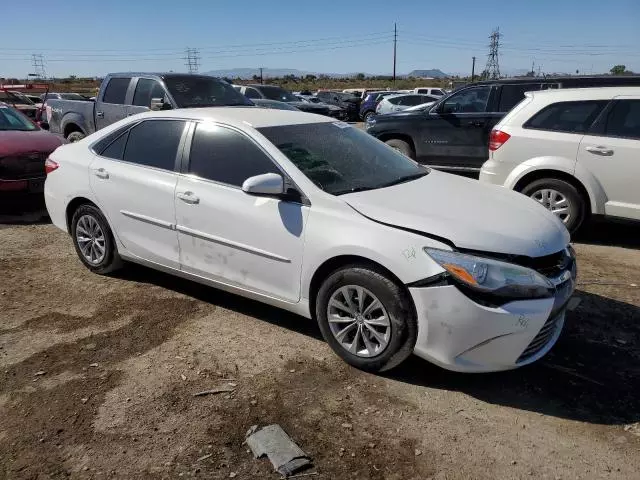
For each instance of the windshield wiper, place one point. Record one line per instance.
(404, 179)
(353, 190)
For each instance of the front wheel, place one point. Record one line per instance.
(402, 146)
(560, 198)
(368, 115)
(366, 318)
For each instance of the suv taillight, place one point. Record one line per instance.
(50, 166)
(497, 139)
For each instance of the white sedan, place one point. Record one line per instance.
(319, 218)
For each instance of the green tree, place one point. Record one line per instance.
(360, 76)
(618, 69)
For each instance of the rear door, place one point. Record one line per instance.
(611, 152)
(455, 134)
(111, 105)
(133, 176)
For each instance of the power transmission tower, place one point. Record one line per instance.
(38, 65)
(192, 60)
(395, 41)
(492, 70)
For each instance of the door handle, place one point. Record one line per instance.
(188, 197)
(475, 123)
(600, 150)
(101, 173)
(100, 114)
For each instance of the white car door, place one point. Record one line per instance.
(134, 178)
(228, 236)
(613, 156)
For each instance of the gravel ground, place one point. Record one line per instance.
(97, 376)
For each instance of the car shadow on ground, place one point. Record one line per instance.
(613, 232)
(19, 209)
(591, 375)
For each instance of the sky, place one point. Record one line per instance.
(87, 38)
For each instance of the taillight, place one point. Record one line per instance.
(497, 139)
(50, 166)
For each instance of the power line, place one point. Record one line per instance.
(492, 70)
(192, 60)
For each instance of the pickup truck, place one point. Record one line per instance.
(125, 94)
(453, 134)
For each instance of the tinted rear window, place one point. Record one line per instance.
(154, 143)
(571, 117)
(511, 95)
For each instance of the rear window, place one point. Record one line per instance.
(570, 117)
(511, 95)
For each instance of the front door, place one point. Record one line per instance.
(111, 107)
(149, 94)
(456, 135)
(613, 157)
(226, 235)
(134, 180)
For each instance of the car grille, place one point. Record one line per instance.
(550, 265)
(542, 339)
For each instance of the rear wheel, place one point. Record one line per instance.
(560, 198)
(93, 240)
(75, 137)
(368, 115)
(401, 146)
(366, 318)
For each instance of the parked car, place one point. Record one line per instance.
(125, 94)
(18, 101)
(577, 152)
(34, 98)
(420, 108)
(370, 102)
(327, 222)
(273, 92)
(433, 91)
(24, 147)
(266, 103)
(454, 134)
(400, 102)
(334, 111)
(348, 101)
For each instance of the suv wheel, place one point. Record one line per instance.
(75, 137)
(560, 198)
(368, 115)
(94, 241)
(366, 318)
(401, 146)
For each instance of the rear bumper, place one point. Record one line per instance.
(495, 172)
(460, 335)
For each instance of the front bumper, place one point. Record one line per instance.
(458, 334)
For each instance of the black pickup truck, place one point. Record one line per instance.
(125, 94)
(453, 134)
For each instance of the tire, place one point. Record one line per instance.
(82, 219)
(402, 324)
(401, 146)
(577, 208)
(368, 115)
(75, 137)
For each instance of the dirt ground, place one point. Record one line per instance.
(97, 376)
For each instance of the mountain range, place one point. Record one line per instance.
(248, 73)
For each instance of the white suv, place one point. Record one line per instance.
(576, 151)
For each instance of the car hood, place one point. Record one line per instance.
(14, 142)
(467, 213)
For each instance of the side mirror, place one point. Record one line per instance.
(449, 107)
(265, 184)
(159, 104)
(44, 125)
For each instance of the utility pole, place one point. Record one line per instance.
(261, 76)
(533, 68)
(395, 41)
(38, 66)
(473, 68)
(192, 60)
(493, 67)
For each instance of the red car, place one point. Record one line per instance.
(24, 147)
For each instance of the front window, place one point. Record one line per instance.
(469, 100)
(341, 159)
(199, 91)
(277, 93)
(11, 119)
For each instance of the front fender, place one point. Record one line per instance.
(76, 119)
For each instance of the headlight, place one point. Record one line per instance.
(492, 277)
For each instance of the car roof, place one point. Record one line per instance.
(404, 95)
(577, 78)
(241, 116)
(595, 93)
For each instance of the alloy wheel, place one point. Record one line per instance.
(359, 321)
(91, 239)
